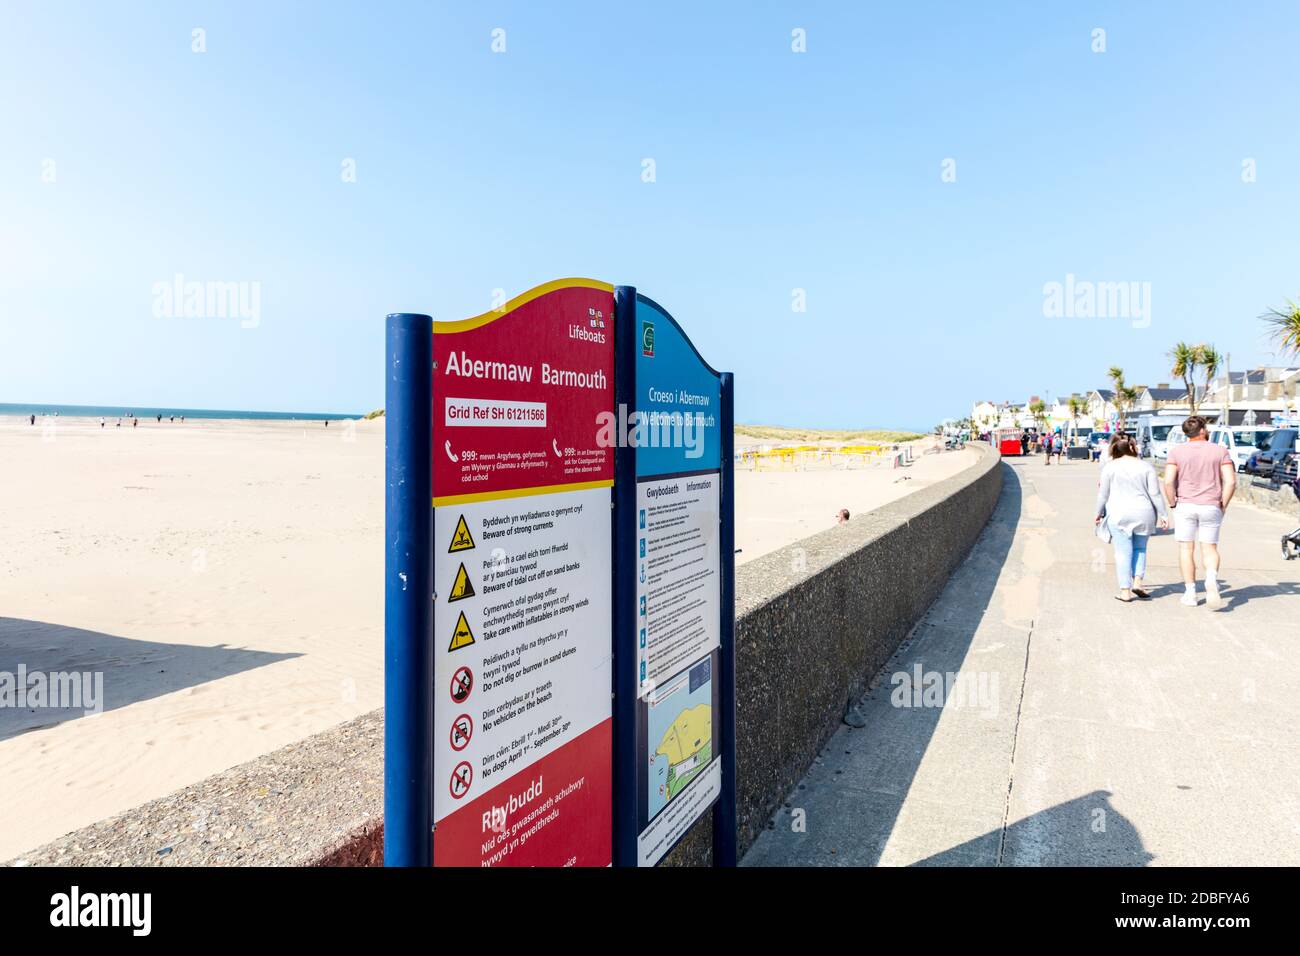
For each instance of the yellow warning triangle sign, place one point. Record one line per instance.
(462, 636)
(461, 588)
(461, 540)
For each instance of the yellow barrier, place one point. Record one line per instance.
(804, 457)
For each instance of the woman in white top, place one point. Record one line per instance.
(1131, 503)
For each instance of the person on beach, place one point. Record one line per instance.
(1130, 502)
(1200, 480)
(842, 516)
(33, 419)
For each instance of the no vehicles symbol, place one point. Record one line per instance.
(461, 778)
(462, 729)
(462, 682)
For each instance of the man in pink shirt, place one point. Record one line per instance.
(1200, 480)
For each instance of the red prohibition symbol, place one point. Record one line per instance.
(461, 778)
(462, 729)
(462, 682)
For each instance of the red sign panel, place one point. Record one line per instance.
(558, 812)
(517, 395)
(523, 604)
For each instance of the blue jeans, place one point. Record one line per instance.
(1130, 556)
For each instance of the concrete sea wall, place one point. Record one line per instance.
(1265, 495)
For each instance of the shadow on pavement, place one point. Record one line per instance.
(1087, 831)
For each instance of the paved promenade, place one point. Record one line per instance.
(1077, 730)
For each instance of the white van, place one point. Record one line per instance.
(1242, 441)
(1154, 432)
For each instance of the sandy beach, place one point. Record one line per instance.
(775, 508)
(226, 579)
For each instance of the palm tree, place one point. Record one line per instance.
(1286, 326)
(1186, 358)
(1039, 410)
(1130, 395)
(1210, 362)
(1122, 393)
(1077, 407)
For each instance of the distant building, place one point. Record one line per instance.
(1062, 417)
(1150, 399)
(985, 415)
(1101, 406)
(1256, 385)
(990, 415)
(1267, 392)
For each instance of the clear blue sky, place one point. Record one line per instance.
(775, 171)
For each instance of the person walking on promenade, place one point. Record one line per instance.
(1047, 447)
(1200, 480)
(1058, 445)
(1024, 443)
(1130, 502)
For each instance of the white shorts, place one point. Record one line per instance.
(1197, 523)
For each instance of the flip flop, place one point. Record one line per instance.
(1143, 595)
(1122, 600)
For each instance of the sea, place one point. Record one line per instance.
(152, 411)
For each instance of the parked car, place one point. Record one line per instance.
(1242, 441)
(1280, 444)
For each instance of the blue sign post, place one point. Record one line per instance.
(725, 824)
(408, 591)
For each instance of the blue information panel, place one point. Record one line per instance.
(678, 399)
(678, 560)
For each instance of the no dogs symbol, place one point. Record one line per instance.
(461, 778)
